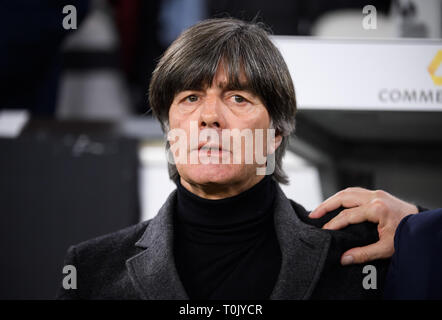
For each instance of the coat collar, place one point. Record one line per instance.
(304, 250)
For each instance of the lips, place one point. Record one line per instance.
(210, 146)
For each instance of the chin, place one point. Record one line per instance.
(213, 173)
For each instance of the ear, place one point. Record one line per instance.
(276, 143)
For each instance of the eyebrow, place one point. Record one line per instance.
(226, 86)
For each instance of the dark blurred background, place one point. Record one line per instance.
(81, 156)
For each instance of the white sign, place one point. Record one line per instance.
(364, 74)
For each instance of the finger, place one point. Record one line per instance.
(348, 216)
(378, 250)
(348, 198)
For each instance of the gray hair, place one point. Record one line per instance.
(191, 61)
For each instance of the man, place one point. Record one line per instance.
(228, 231)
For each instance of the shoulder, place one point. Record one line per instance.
(116, 242)
(345, 282)
(302, 213)
(102, 258)
(107, 252)
(352, 235)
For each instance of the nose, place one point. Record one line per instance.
(210, 116)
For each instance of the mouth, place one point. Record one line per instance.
(211, 148)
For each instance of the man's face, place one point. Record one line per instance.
(212, 110)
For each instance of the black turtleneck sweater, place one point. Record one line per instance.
(227, 248)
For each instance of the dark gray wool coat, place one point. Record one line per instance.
(138, 263)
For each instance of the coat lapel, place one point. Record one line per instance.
(153, 270)
(304, 250)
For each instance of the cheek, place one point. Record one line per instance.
(173, 117)
(177, 120)
(260, 120)
(257, 118)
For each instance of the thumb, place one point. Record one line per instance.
(365, 254)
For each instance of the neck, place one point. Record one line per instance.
(216, 191)
(250, 205)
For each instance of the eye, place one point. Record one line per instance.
(239, 99)
(192, 98)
